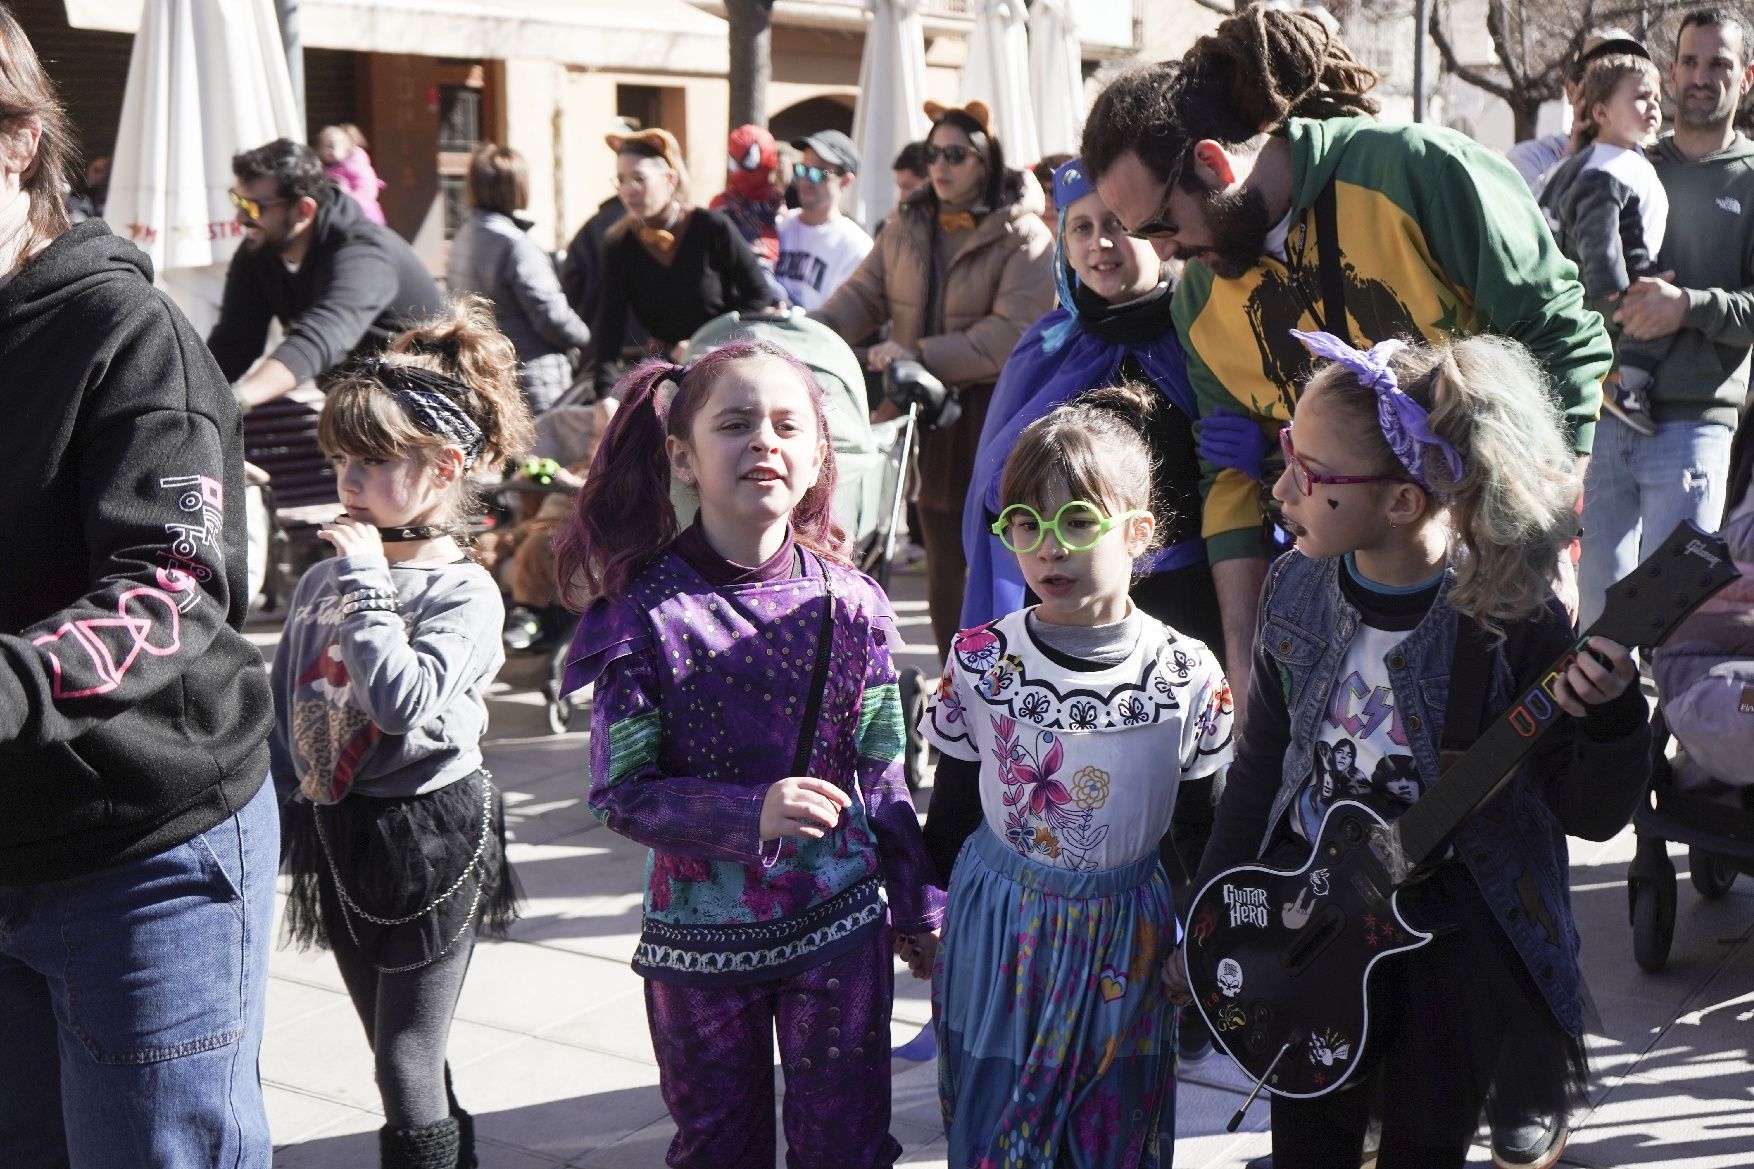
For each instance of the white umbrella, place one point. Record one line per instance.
(208, 78)
(1056, 77)
(997, 72)
(892, 98)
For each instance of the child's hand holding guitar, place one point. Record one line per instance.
(1599, 676)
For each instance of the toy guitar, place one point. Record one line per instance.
(1280, 962)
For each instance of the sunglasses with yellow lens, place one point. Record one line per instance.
(252, 208)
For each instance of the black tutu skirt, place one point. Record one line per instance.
(1537, 1066)
(408, 877)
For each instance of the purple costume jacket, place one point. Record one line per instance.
(700, 692)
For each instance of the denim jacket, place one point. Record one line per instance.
(1514, 846)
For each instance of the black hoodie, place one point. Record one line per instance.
(358, 286)
(133, 713)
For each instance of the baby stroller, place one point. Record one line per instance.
(1704, 796)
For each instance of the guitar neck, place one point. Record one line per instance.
(1476, 776)
(1641, 608)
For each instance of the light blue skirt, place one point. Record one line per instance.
(1056, 1044)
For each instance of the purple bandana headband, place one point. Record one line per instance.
(1405, 423)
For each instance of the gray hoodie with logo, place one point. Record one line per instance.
(1710, 247)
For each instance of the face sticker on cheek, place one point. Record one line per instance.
(1334, 504)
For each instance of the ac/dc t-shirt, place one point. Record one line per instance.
(1361, 750)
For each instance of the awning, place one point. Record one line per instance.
(660, 36)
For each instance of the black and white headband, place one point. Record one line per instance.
(434, 399)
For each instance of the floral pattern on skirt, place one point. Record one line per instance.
(1056, 1044)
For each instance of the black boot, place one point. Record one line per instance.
(428, 1146)
(466, 1158)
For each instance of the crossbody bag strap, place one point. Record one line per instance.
(1328, 263)
(818, 676)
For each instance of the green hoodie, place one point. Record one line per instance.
(1710, 248)
(1438, 237)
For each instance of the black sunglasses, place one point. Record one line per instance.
(954, 155)
(816, 174)
(1160, 226)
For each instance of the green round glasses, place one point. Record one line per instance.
(1078, 525)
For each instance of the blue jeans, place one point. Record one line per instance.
(1636, 491)
(131, 1002)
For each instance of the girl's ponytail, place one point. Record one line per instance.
(465, 344)
(1515, 506)
(623, 518)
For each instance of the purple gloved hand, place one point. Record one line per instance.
(1231, 440)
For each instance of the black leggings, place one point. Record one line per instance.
(407, 1019)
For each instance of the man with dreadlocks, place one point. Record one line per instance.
(1232, 158)
(1257, 158)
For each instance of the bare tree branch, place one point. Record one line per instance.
(1453, 64)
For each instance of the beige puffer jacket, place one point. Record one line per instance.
(997, 284)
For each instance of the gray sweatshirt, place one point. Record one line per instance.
(1710, 247)
(385, 704)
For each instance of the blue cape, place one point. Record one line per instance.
(1057, 359)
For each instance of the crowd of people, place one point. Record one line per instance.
(1274, 426)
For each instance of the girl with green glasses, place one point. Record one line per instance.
(1066, 729)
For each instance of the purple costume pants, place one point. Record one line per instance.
(715, 1065)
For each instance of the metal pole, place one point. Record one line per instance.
(286, 12)
(1419, 22)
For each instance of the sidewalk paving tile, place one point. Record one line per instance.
(551, 1051)
(296, 1117)
(558, 1100)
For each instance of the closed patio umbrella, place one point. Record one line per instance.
(997, 72)
(207, 79)
(1056, 77)
(892, 96)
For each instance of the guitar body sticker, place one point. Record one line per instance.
(1247, 906)
(1294, 915)
(1318, 882)
(1230, 977)
(1203, 926)
(1328, 1047)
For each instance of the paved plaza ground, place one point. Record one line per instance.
(551, 1053)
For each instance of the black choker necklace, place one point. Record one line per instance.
(418, 532)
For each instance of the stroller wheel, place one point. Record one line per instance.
(913, 708)
(1653, 922)
(559, 715)
(1711, 877)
